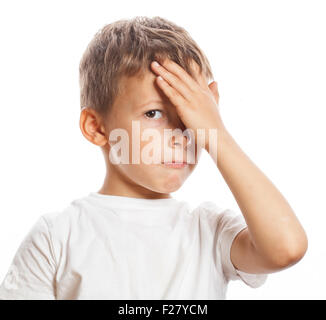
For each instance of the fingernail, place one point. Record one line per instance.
(155, 64)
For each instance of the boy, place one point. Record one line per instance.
(131, 239)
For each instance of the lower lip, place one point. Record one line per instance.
(175, 165)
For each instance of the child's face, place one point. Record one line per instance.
(139, 97)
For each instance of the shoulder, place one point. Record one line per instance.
(221, 220)
(212, 211)
(59, 223)
(61, 218)
(209, 207)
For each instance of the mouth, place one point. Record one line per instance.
(175, 164)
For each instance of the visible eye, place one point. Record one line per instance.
(152, 114)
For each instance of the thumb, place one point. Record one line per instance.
(213, 87)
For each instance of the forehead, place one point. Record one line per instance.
(141, 89)
(136, 91)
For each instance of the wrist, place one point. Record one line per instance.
(218, 130)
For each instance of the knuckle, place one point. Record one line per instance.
(166, 62)
(174, 95)
(165, 74)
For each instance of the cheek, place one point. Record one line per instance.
(158, 123)
(144, 143)
(151, 142)
(145, 132)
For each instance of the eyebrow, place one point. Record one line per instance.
(148, 102)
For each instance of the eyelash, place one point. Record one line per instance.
(151, 111)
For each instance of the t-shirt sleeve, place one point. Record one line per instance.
(31, 273)
(229, 224)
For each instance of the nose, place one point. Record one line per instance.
(178, 139)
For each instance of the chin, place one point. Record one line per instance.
(171, 186)
(166, 187)
(169, 190)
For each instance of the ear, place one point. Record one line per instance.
(213, 87)
(91, 126)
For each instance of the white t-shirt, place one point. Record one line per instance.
(116, 247)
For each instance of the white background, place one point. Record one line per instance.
(268, 58)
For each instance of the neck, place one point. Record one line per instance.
(116, 184)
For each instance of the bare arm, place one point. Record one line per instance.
(274, 238)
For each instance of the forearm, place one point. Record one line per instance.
(274, 229)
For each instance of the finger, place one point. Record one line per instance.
(199, 76)
(172, 80)
(181, 73)
(174, 96)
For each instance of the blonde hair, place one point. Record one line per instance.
(126, 48)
